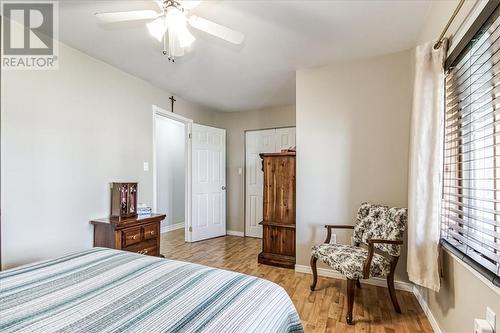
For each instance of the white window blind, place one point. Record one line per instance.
(470, 218)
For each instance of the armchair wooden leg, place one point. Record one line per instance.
(351, 289)
(314, 271)
(358, 284)
(392, 291)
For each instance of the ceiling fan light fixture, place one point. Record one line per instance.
(170, 26)
(177, 22)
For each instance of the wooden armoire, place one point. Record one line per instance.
(278, 234)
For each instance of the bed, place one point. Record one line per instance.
(104, 290)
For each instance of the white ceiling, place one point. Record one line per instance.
(280, 37)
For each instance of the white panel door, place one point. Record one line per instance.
(285, 138)
(208, 182)
(265, 141)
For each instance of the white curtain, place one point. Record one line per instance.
(424, 183)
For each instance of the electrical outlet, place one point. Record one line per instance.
(491, 317)
(146, 166)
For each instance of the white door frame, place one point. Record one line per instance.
(157, 111)
(245, 169)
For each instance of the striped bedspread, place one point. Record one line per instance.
(103, 290)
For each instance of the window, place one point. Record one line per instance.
(470, 218)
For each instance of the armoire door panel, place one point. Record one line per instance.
(278, 244)
(286, 187)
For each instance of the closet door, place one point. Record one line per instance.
(285, 138)
(256, 142)
(263, 141)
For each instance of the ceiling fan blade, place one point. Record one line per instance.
(217, 30)
(135, 15)
(189, 4)
(159, 3)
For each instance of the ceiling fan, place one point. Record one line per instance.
(170, 26)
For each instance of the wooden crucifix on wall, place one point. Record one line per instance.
(172, 100)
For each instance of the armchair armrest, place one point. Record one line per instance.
(384, 241)
(371, 250)
(329, 228)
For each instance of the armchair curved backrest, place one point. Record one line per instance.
(380, 222)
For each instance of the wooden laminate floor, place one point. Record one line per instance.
(323, 310)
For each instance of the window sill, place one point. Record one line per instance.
(487, 282)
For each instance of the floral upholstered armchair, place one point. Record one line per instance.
(381, 229)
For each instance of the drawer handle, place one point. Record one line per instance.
(143, 252)
(151, 233)
(134, 237)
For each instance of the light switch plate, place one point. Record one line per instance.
(240, 171)
(491, 317)
(146, 166)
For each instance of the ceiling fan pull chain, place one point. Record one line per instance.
(165, 44)
(171, 44)
(172, 48)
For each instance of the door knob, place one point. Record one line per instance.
(223, 187)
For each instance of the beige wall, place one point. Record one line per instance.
(236, 123)
(81, 127)
(439, 14)
(66, 134)
(353, 123)
(463, 296)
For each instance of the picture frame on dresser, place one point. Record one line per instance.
(123, 199)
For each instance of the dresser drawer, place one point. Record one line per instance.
(148, 247)
(131, 236)
(149, 250)
(150, 231)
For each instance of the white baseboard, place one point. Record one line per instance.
(399, 285)
(427, 311)
(235, 233)
(168, 228)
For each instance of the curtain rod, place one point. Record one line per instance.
(440, 39)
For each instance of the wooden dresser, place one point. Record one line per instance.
(136, 234)
(278, 237)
